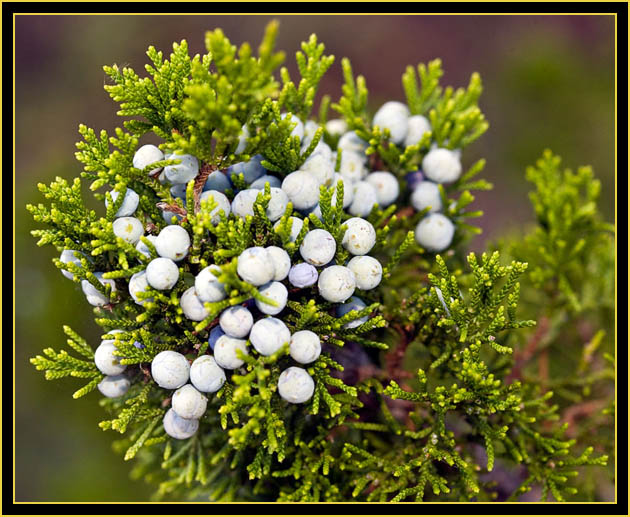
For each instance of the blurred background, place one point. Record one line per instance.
(548, 82)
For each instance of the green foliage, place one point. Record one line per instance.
(478, 406)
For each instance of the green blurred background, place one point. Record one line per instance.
(549, 82)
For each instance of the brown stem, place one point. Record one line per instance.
(524, 355)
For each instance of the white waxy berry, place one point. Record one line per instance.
(268, 335)
(298, 129)
(353, 304)
(206, 375)
(350, 142)
(318, 247)
(114, 386)
(417, 126)
(352, 166)
(173, 242)
(255, 266)
(225, 352)
(305, 346)
(129, 204)
(179, 191)
(242, 140)
(236, 321)
(295, 385)
(386, 186)
(215, 334)
(192, 306)
(147, 155)
(320, 167)
(182, 172)
(162, 273)
(277, 204)
(93, 295)
(217, 181)
(243, 202)
(281, 262)
(260, 182)
(425, 195)
(296, 227)
(435, 232)
(68, 256)
(310, 128)
(105, 358)
(364, 199)
(223, 204)
(302, 188)
(336, 126)
(348, 190)
(367, 271)
(303, 275)
(336, 284)
(178, 427)
(138, 284)
(442, 165)
(189, 403)
(207, 285)
(322, 148)
(128, 229)
(251, 170)
(393, 115)
(143, 248)
(275, 291)
(170, 369)
(360, 236)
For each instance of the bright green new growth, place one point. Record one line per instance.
(429, 398)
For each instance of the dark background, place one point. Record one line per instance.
(549, 82)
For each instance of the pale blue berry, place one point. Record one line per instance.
(350, 142)
(217, 181)
(138, 284)
(114, 386)
(251, 170)
(336, 284)
(364, 199)
(318, 247)
(352, 166)
(207, 285)
(367, 271)
(353, 304)
(236, 321)
(442, 165)
(243, 202)
(275, 291)
(179, 191)
(188, 402)
(177, 427)
(223, 204)
(303, 275)
(298, 128)
(277, 204)
(215, 334)
(162, 273)
(360, 236)
(242, 140)
(302, 189)
(225, 352)
(255, 265)
(417, 126)
(129, 204)
(281, 262)
(296, 227)
(386, 186)
(435, 232)
(93, 295)
(206, 375)
(173, 242)
(260, 182)
(320, 167)
(393, 115)
(147, 155)
(192, 306)
(128, 229)
(182, 172)
(425, 195)
(170, 369)
(305, 346)
(105, 358)
(348, 190)
(268, 335)
(68, 256)
(295, 385)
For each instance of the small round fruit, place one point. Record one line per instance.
(417, 126)
(275, 291)
(393, 115)
(138, 284)
(178, 427)
(305, 346)
(367, 271)
(295, 385)
(189, 403)
(303, 275)
(70, 256)
(182, 172)
(207, 285)
(162, 273)
(352, 166)
(128, 229)
(217, 181)
(348, 190)
(236, 321)
(413, 179)
(386, 186)
(298, 129)
(442, 165)
(143, 248)
(223, 204)
(302, 188)
(320, 167)
(353, 304)
(435, 232)
(296, 227)
(281, 262)
(364, 199)
(192, 306)
(277, 204)
(173, 242)
(259, 184)
(206, 375)
(351, 142)
(318, 247)
(147, 155)
(106, 360)
(93, 295)
(360, 236)
(214, 335)
(243, 202)
(268, 335)
(251, 170)
(170, 369)
(336, 126)
(129, 204)
(425, 195)
(114, 386)
(336, 284)
(225, 352)
(255, 266)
